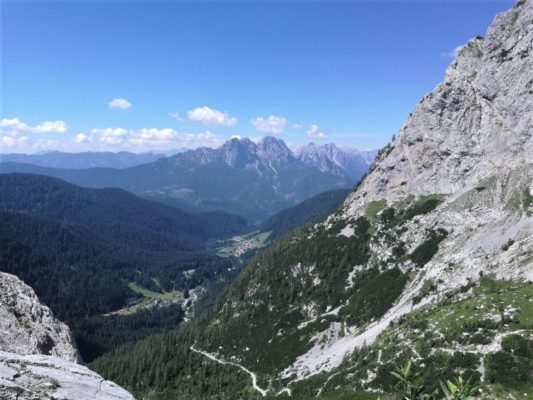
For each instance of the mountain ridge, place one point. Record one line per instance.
(89, 159)
(254, 180)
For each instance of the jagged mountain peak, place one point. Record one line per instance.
(475, 124)
(238, 152)
(272, 150)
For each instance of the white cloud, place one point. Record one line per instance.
(176, 116)
(297, 126)
(112, 136)
(314, 132)
(14, 126)
(209, 116)
(50, 127)
(453, 53)
(272, 124)
(81, 138)
(121, 104)
(8, 141)
(15, 137)
(145, 139)
(157, 134)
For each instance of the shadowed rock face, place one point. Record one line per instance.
(475, 124)
(37, 352)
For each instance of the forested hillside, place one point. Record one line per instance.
(307, 212)
(83, 249)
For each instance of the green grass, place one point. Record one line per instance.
(154, 295)
(374, 207)
(442, 341)
(149, 299)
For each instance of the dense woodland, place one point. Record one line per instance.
(307, 212)
(81, 248)
(186, 375)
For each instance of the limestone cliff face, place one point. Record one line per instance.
(45, 377)
(470, 143)
(477, 123)
(29, 327)
(38, 356)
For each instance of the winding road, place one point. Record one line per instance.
(252, 375)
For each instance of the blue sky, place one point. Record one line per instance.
(185, 74)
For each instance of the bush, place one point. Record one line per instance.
(425, 251)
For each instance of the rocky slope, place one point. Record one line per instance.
(474, 125)
(37, 352)
(28, 327)
(448, 201)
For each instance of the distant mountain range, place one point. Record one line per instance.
(107, 159)
(255, 180)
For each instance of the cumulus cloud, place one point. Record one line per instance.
(50, 127)
(14, 142)
(272, 124)
(14, 126)
(18, 136)
(81, 138)
(297, 126)
(314, 132)
(152, 138)
(120, 104)
(209, 116)
(111, 136)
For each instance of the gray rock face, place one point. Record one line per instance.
(477, 123)
(29, 327)
(271, 152)
(470, 141)
(329, 158)
(46, 377)
(37, 352)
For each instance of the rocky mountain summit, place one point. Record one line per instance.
(474, 125)
(38, 357)
(465, 158)
(270, 153)
(330, 158)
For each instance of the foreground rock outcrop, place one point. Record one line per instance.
(46, 377)
(38, 355)
(27, 326)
